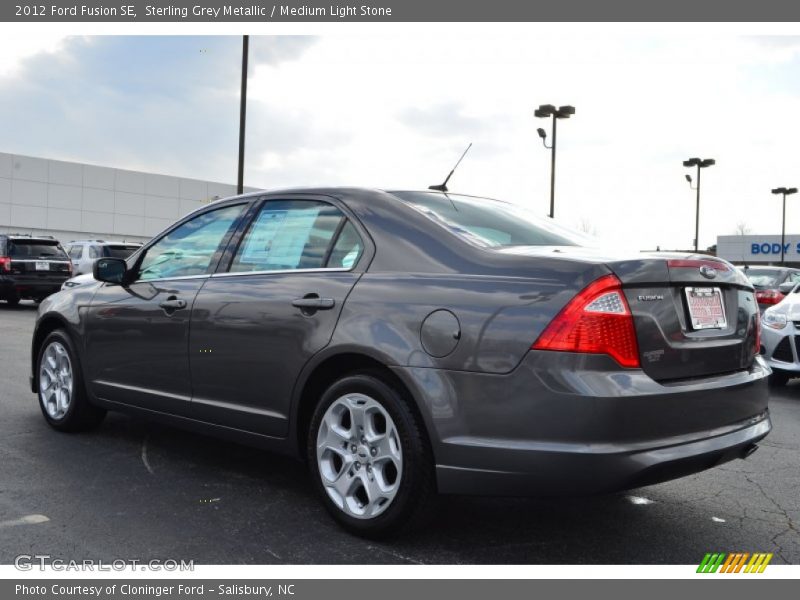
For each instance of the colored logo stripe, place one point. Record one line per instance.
(734, 562)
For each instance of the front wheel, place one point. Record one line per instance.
(62, 396)
(369, 457)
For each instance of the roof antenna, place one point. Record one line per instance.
(443, 186)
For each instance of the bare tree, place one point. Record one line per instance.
(586, 226)
(742, 228)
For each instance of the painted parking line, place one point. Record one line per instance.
(26, 520)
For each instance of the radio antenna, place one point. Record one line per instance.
(443, 187)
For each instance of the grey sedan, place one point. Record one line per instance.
(412, 343)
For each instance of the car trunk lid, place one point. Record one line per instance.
(694, 315)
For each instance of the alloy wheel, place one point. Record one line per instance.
(359, 456)
(55, 380)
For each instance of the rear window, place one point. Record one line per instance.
(489, 223)
(33, 249)
(120, 251)
(763, 277)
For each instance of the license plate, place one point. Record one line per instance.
(706, 309)
(42, 265)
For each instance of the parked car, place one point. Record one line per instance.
(781, 328)
(767, 282)
(31, 267)
(83, 253)
(408, 343)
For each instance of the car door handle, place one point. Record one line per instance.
(172, 303)
(313, 302)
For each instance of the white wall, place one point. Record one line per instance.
(74, 201)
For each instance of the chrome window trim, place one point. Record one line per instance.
(281, 272)
(178, 278)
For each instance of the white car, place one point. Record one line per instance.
(83, 253)
(779, 337)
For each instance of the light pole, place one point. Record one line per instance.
(785, 192)
(700, 163)
(242, 113)
(562, 112)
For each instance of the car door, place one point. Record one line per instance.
(258, 321)
(137, 333)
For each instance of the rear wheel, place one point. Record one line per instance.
(778, 379)
(62, 396)
(12, 300)
(369, 458)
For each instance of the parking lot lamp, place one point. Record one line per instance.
(562, 112)
(242, 113)
(785, 192)
(700, 163)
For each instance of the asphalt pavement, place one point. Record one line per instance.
(133, 489)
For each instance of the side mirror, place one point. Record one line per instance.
(786, 288)
(110, 270)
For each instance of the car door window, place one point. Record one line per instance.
(189, 248)
(288, 235)
(794, 277)
(75, 252)
(94, 252)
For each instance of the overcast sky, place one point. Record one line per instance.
(391, 111)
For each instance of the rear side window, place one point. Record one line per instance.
(347, 250)
(490, 223)
(288, 235)
(33, 249)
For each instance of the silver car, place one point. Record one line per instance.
(780, 344)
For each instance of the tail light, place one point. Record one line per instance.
(768, 296)
(596, 321)
(5, 264)
(758, 332)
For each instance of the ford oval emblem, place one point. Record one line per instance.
(708, 272)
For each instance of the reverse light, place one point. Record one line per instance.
(596, 321)
(758, 333)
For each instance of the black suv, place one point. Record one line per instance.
(31, 267)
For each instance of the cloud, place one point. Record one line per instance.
(164, 104)
(374, 111)
(445, 119)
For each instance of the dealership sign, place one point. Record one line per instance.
(767, 248)
(758, 248)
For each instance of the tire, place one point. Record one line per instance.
(12, 300)
(65, 388)
(403, 494)
(778, 379)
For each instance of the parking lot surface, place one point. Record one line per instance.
(137, 490)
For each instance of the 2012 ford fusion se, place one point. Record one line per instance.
(409, 343)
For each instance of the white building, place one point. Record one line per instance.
(73, 201)
(758, 249)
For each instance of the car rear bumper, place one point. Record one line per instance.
(573, 424)
(31, 287)
(534, 469)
